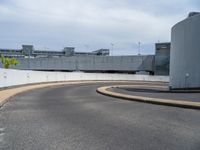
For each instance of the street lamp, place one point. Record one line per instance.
(112, 45)
(139, 46)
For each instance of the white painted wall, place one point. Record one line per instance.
(10, 77)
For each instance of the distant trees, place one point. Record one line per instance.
(7, 62)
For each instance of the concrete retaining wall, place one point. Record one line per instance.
(9, 77)
(89, 63)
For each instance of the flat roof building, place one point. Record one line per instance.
(29, 51)
(162, 58)
(69, 60)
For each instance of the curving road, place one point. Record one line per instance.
(75, 117)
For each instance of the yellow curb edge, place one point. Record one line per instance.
(7, 93)
(158, 101)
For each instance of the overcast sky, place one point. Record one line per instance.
(91, 24)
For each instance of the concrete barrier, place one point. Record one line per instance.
(11, 77)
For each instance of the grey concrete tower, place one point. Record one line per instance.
(185, 53)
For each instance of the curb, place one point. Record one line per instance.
(9, 92)
(6, 94)
(167, 102)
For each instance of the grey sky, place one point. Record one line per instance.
(91, 24)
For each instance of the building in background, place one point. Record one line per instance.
(28, 51)
(185, 53)
(11, 53)
(96, 61)
(162, 58)
(102, 52)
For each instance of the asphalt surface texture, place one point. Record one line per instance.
(76, 117)
(158, 92)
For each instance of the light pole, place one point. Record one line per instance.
(139, 46)
(112, 47)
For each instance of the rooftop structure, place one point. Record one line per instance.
(162, 58)
(193, 14)
(102, 52)
(29, 51)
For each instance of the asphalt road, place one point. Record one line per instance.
(78, 118)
